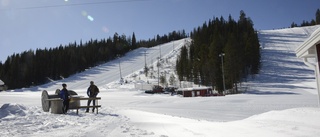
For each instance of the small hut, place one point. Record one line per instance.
(2, 85)
(195, 92)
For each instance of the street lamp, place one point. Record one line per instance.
(224, 87)
(145, 58)
(160, 50)
(158, 65)
(120, 68)
(173, 45)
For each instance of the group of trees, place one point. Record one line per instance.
(238, 44)
(311, 23)
(37, 67)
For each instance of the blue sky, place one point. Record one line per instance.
(36, 24)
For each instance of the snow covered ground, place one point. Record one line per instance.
(281, 101)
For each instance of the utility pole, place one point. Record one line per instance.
(160, 50)
(145, 59)
(120, 68)
(158, 65)
(224, 86)
(173, 45)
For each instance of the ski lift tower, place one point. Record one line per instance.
(309, 51)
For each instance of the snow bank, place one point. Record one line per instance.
(8, 110)
(31, 121)
(285, 123)
(1, 82)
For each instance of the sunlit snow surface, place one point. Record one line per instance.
(281, 101)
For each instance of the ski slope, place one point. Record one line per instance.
(281, 101)
(109, 72)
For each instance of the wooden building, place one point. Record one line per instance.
(2, 85)
(195, 92)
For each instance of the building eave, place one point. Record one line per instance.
(307, 48)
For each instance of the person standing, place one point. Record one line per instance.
(64, 95)
(92, 92)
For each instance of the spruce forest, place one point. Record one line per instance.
(233, 43)
(315, 21)
(31, 68)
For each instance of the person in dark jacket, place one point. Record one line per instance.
(92, 92)
(66, 97)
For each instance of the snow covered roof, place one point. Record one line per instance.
(307, 48)
(194, 88)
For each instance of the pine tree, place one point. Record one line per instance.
(134, 41)
(293, 25)
(318, 16)
(182, 64)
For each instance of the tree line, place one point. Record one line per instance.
(233, 43)
(31, 68)
(315, 21)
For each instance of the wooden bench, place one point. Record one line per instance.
(87, 98)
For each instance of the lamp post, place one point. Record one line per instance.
(160, 50)
(158, 65)
(145, 58)
(221, 55)
(120, 68)
(173, 45)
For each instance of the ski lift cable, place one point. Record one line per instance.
(75, 4)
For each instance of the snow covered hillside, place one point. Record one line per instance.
(280, 101)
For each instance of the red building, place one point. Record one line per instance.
(195, 92)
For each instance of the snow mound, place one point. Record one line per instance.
(1, 82)
(290, 122)
(312, 115)
(12, 109)
(284, 123)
